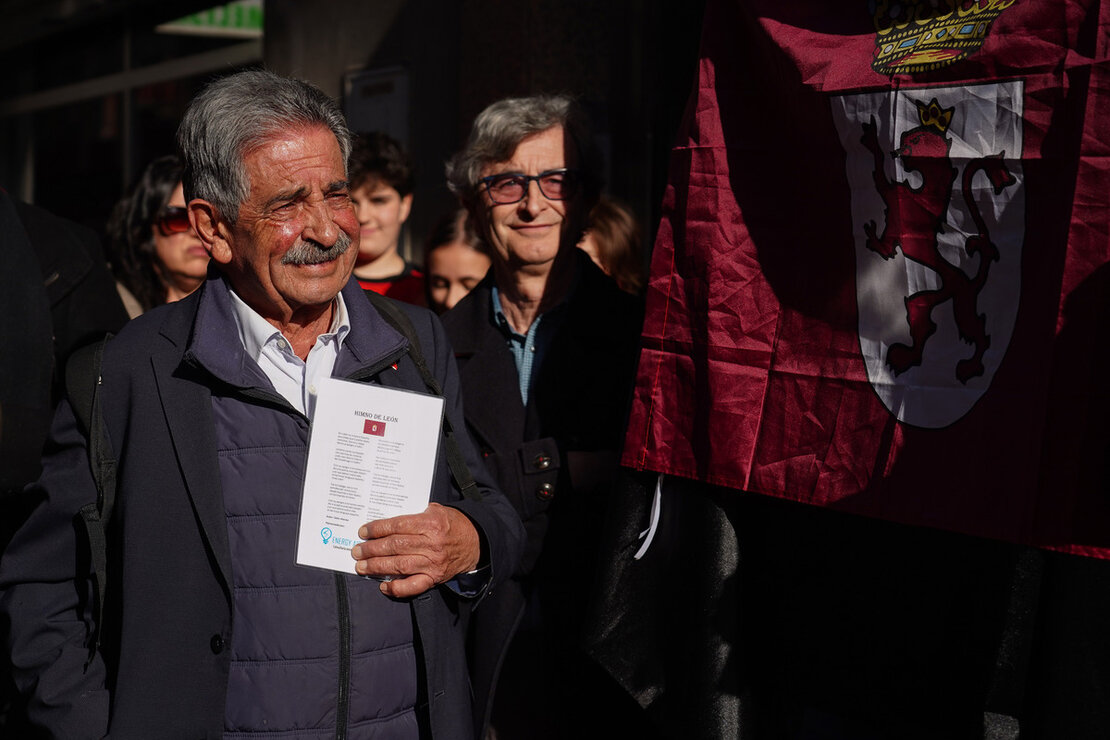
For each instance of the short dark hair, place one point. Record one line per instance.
(237, 113)
(500, 128)
(378, 157)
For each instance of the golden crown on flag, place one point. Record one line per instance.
(921, 35)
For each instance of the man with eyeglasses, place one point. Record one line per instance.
(546, 346)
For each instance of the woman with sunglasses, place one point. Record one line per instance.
(157, 256)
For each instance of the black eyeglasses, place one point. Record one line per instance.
(174, 220)
(511, 187)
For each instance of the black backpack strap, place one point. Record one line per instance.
(455, 460)
(82, 380)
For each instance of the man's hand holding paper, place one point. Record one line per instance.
(418, 551)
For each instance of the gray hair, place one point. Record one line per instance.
(500, 128)
(235, 114)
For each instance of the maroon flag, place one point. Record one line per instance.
(880, 283)
(376, 428)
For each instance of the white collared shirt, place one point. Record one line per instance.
(293, 378)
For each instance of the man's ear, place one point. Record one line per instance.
(211, 229)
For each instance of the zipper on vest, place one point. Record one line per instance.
(343, 693)
(259, 394)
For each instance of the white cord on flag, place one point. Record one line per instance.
(653, 524)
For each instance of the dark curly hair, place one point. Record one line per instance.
(378, 157)
(131, 231)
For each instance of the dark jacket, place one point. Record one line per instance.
(55, 294)
(555, 458)
(164, 669)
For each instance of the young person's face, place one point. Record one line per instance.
(453, 271)
(381, 212)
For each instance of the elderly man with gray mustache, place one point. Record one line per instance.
(208, 627)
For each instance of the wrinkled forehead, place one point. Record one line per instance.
(293, 154)
(553, 145)
(322, 138)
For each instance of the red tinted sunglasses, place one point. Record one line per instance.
(174, 220)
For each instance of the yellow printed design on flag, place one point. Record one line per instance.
(919, 35)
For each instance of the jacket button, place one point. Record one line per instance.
(542, 462)
(545, 492)
(217, 644)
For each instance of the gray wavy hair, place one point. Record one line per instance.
(235, 114)
(500, 128)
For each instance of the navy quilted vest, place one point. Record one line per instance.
(314, 654)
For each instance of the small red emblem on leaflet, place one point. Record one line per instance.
(377, 428)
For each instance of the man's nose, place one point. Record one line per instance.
(319, 225)
(534, 200)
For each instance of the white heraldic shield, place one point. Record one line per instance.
(938, 214)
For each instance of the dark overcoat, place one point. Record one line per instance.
(553, 459)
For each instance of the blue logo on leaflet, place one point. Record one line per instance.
(325, 533)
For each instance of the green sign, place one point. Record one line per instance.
(240, 19)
